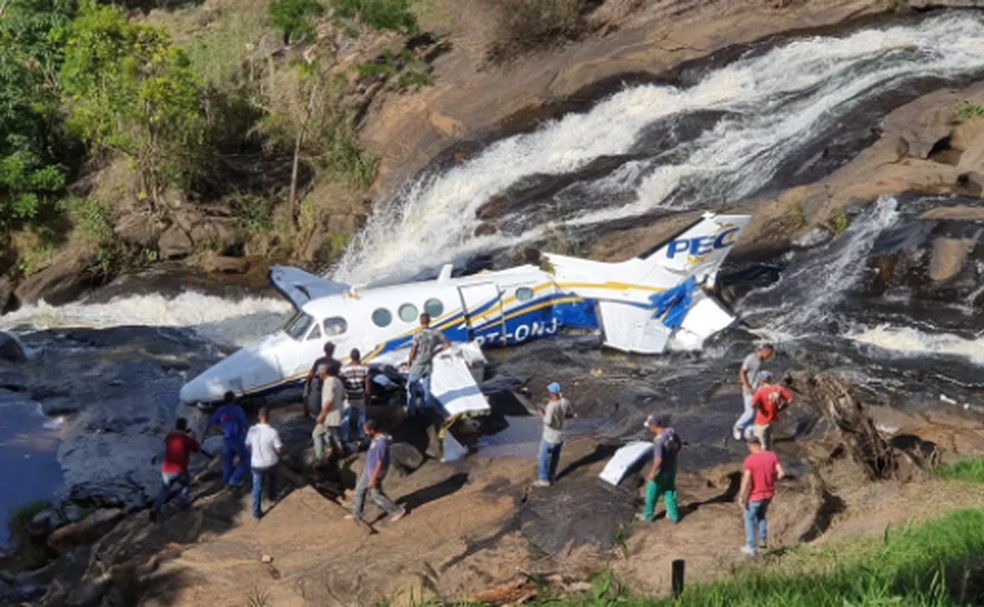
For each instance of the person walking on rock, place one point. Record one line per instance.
(371, 479)
(232, 419)
(769, 400)
(263, 442)
(427, 343)
(554, 414)
(178, 447)
(661, 476)
(312, 386)
(328, 424)
(758, 486)
(748, 377)
(358, 392)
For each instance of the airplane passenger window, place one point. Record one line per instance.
(408, 312)
(434, 307)
(315, 333)
(524, 294)
(335, 326)
(382, 317)
(298, 325)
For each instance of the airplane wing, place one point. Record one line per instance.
(301, 287)
(453, 383)
(623, 461)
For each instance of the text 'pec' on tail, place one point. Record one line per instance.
(700, 249)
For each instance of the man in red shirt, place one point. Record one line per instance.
(769, 400)
(758, 487)
(178, 447)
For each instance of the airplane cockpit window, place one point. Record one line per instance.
(315, 333)
(298, 325)
(408, 312)
(382, 317)
(524, 293)
(434, 307)
(335, 326)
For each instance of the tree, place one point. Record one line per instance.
(33, 146)
(129, 90)
(293, 18)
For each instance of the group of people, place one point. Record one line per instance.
(336, 396)
(762, 398)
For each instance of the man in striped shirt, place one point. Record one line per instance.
(358, 391)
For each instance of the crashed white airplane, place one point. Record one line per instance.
(639, 305)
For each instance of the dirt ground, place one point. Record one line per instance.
(463, 536)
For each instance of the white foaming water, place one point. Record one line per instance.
(913, 342)
(773, 104)
(808, 291)
(219, 320)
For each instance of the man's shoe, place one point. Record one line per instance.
(541, 483)
(748, 551)
(736, 433)
(398, 516)
(763, 546)
(642, 517)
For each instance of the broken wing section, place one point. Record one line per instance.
(301, 287)
(454, 384)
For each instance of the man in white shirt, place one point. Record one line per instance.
(265, 448)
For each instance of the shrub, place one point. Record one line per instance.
(525, 25)
(966, 110)
(391, 15)
(294, 18)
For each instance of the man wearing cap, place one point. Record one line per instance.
(661, 477)
(769, 400)
(557, 410)
(748, 377)
(759, 474)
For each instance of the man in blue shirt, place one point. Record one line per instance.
(232, 419)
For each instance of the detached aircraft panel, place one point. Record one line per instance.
(300, 287)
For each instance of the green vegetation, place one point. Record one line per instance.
(966, 110)
(31, 555)
(937, 563)
(295, 18)
(839, 222)
(971, 470)
(112, 117)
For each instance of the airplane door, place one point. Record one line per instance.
(482, 304)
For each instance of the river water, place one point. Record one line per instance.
(764, 120)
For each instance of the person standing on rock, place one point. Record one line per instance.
(232, 419)
(328, 424)
(263, 442)
(358, 392)
(759, 474)
(748, 377)
(769, 400)
(661, 476)
(312, 387)
(178, 447)
(427, 343)
(554, 414)
(371, 479)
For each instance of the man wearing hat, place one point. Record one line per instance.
(759, 474)
(769, 400)
(661, 477)
(557, 410)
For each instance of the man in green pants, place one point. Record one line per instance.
(661, 476)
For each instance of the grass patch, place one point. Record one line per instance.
(971, 470)
(30, 554)
(934, 564)
(965, 110)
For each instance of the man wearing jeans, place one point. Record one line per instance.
(748, 377)
(758, 487)
(358, 391)
(178, 447)
(232, 419)
(558, 409)
(427, 343)
(371, 479)
(265, 447)
(661, 478)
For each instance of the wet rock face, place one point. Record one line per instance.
(10, 349)
(935, 260)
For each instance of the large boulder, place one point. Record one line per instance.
(139, 229)
(70, 273)
(174, 243)
(86, 531)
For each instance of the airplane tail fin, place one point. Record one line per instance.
(698, 251)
